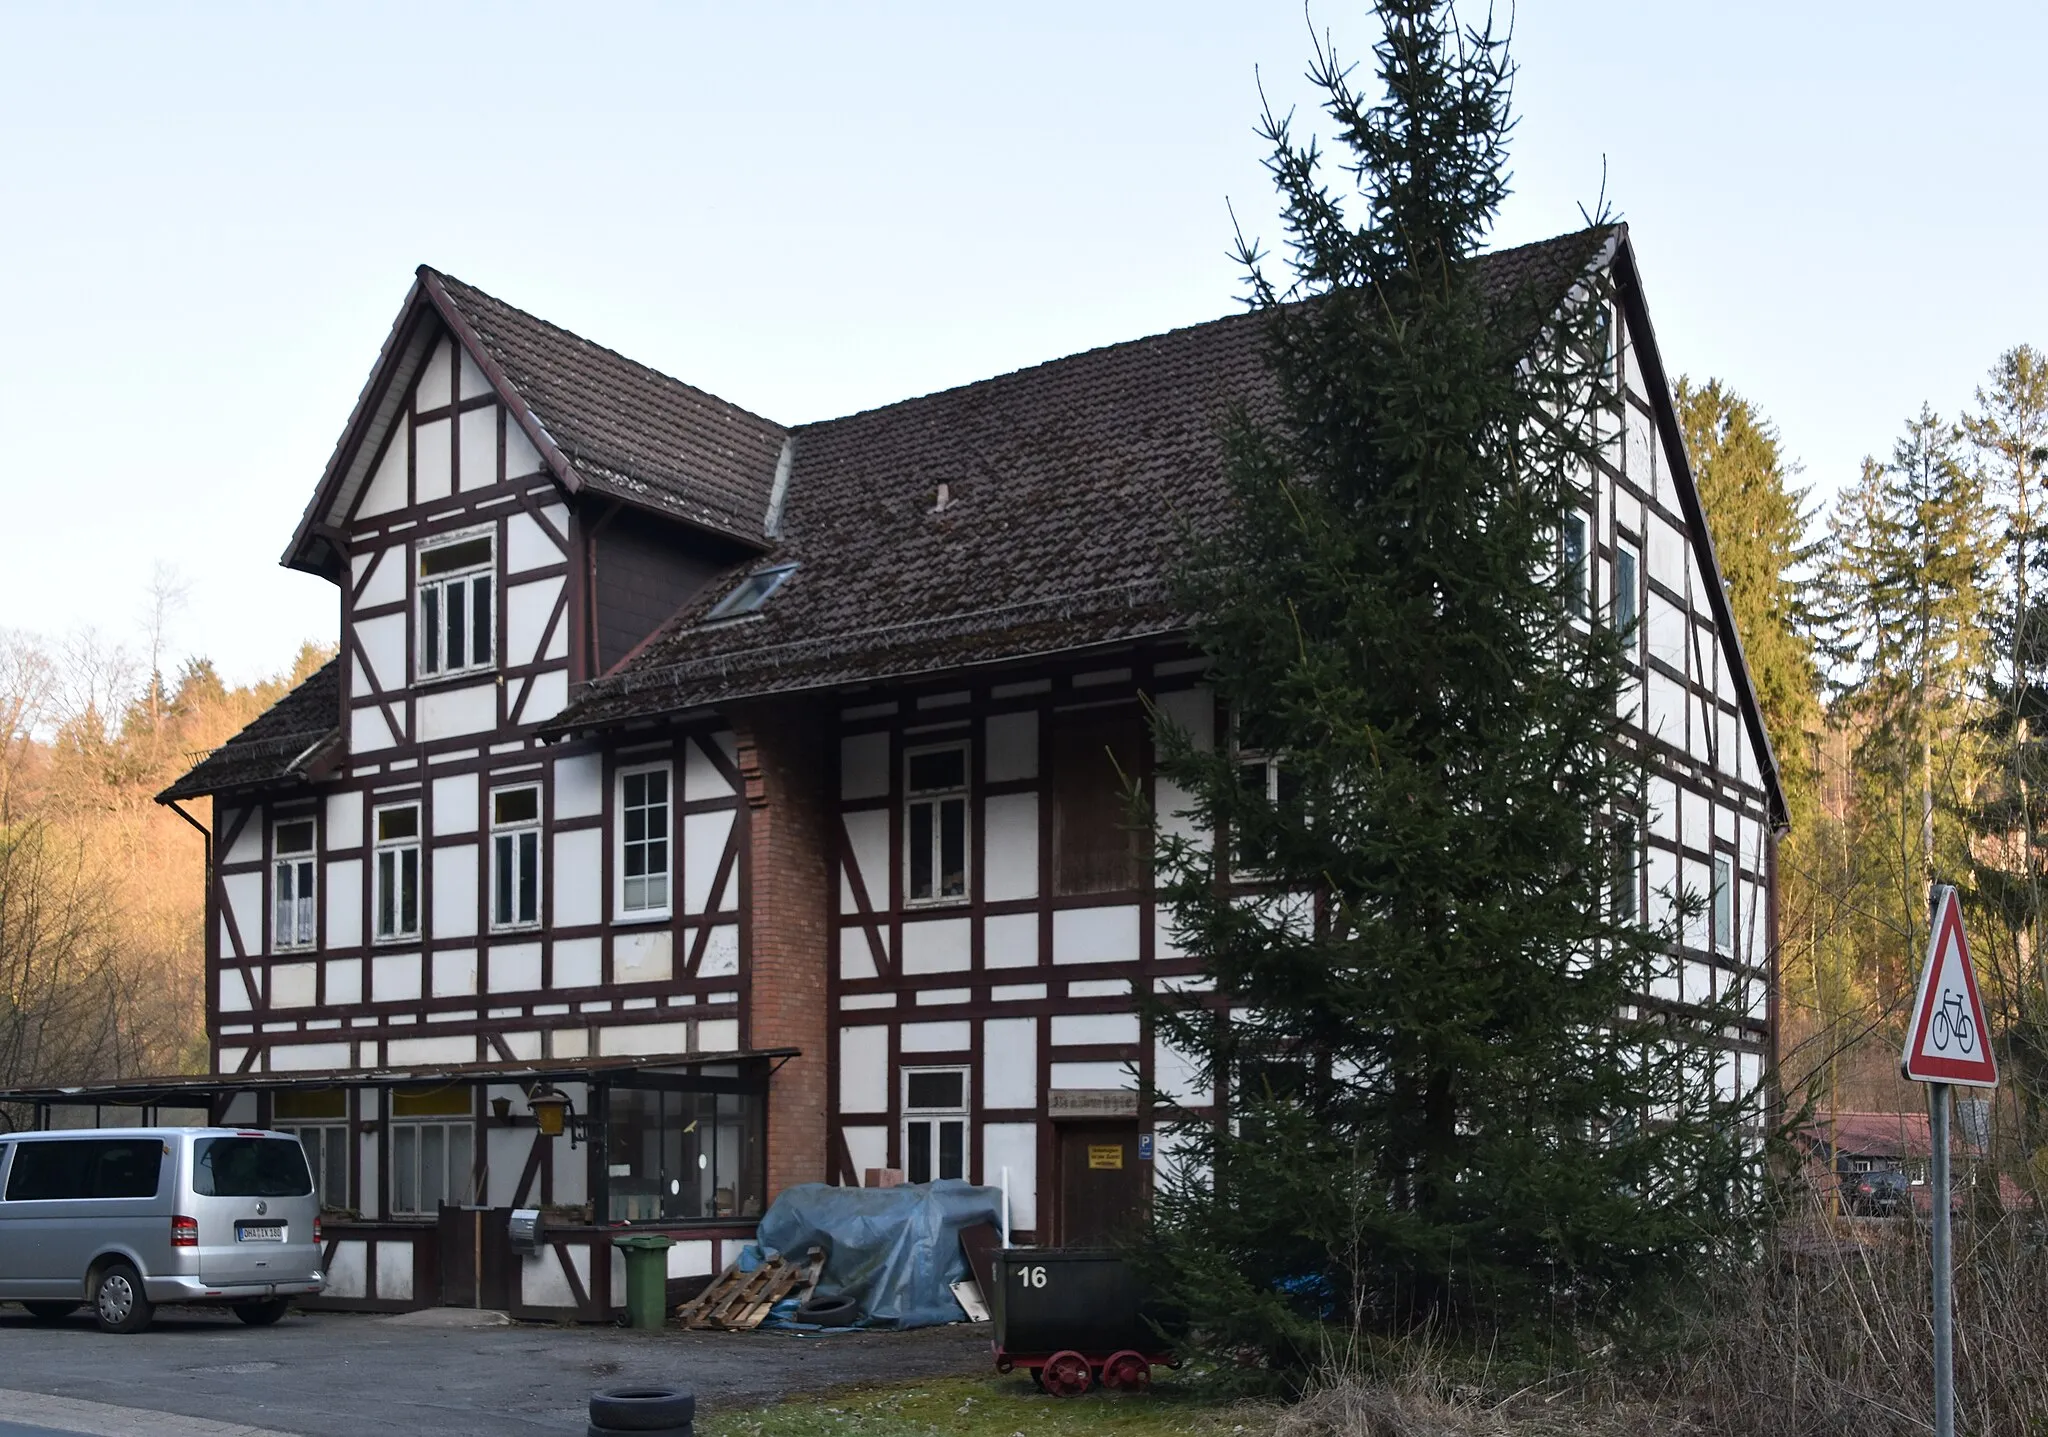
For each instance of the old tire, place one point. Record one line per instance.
(643, 1409)
(1065, 1374)
(264, 1313)
(50, 1311)
(118, 1302)
(829, 1312)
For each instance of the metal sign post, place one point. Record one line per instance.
(1947, 1043)
(1944, 1267)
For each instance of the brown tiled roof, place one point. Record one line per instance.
(629, 430)
(1068, 487)
(281, 743)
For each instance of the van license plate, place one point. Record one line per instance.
(258, 1232)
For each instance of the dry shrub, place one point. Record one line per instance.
(1410, 1408)
(1835, 1334)
(1830, 1334)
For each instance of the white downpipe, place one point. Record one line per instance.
(1006, 1207)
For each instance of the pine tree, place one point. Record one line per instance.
(1441, 1108)
(1759, 526)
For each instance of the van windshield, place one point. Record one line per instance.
(250, 1167)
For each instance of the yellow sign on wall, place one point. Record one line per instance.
(1109, 1155)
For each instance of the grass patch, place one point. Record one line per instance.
(993, 1407)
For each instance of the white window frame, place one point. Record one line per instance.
(937, 800)
(294, 886)
(1273, 764)
(1629, 556)
(645, 910)
(398, 850)
(318, 1137)
(935, 1120)
(459, 1184)
(1721, 906)
(516, 844)
(430, 657)
(1578, 568)
(1629, 882)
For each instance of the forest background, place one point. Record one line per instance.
(1897, 635)
(102, 890)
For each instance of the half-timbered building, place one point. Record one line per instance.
(759, 790)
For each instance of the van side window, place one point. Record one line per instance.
(86, 1168)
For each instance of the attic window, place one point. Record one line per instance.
(752, 593)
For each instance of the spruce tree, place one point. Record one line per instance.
(1759, 527)
(2008, 435)
(1445, 1104)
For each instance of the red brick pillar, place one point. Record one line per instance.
(784, 762)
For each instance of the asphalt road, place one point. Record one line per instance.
(15, 1429)
(340, 1375)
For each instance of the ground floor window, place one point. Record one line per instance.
(430, 1166)
(319, 1120)
(433, 1149)
(934, 1123)
(674, 1156)
(326, 1146)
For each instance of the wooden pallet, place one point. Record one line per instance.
(738, 1301)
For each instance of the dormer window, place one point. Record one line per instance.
(753, 591)
(456, 580)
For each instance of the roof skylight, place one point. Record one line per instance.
(753, 591)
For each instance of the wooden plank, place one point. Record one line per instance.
(740, 1301)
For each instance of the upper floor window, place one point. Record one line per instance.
(1628, 874)
(643, 840)
(1263, 777)
(935, 824)
(1575, 561)
(934, 1123)
(1628, 592)
(515, 857)
(1721, 916)
(397, 886)
(291, 884)
(456, 581)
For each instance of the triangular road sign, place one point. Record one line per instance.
(1949, 1041)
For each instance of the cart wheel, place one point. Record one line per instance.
(1127, 1371)
(1065, 1374)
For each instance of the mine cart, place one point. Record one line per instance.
(1074, 1318)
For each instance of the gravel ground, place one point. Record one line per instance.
(438, 1372)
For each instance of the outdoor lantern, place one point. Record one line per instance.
(548, 1108)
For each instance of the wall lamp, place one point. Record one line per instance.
(554, 1114)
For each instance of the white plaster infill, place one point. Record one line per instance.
(100, 1419)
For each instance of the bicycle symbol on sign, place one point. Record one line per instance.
(1957, 1026)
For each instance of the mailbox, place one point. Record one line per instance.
(523, 1228)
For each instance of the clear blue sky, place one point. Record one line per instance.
(210, 213)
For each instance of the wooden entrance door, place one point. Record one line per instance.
(1101, 1185)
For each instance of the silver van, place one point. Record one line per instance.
(126, 1218)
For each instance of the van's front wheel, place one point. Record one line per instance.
(118, 1301)
(262, 1314)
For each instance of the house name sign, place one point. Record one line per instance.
(1091, 1103)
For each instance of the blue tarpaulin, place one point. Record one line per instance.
(895, 1251)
